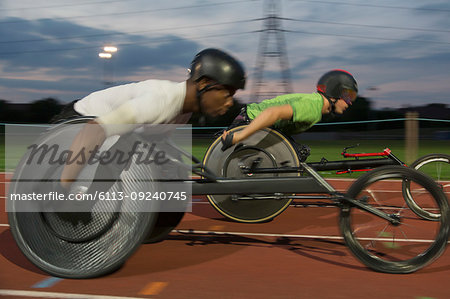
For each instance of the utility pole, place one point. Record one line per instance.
(272, 46)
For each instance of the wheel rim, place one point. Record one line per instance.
(391, 248)
(437, 167)
(267, 144)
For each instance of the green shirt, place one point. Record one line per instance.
(307, 108)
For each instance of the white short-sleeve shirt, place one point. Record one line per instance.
(134, 104)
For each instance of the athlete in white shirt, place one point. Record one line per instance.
(214, 78)
(127, 101)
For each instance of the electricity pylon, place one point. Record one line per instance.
(272, 46)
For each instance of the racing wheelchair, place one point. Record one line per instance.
(271, 153)
(394, 219)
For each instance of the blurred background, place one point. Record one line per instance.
(54, 53)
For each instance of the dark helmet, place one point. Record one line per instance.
(219, 66)
(338, 84)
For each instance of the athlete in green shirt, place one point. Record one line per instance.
(295, 113)
(306, 111)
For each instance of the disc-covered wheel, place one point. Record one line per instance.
(400, 247)
(78, 244)
(165, 223)
(265, 149)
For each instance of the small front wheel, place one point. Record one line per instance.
(402, 247)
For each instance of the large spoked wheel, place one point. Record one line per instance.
(265, 149)
(395, 248)
(78, 244)
(437, 166)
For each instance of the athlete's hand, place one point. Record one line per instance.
(227, 140)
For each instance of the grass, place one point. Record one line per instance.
(329, 149)
(332, 149)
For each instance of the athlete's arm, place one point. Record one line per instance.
(265, 119)
(90, 138)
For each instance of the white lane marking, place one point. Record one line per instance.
(37, 294)
(202, 232)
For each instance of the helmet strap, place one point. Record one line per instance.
(200, 92)
(332, 104)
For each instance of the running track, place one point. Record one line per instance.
(297, 255)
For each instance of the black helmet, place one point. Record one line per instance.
(338, 84)
(219, 66)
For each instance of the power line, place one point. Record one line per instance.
(375, 5)
(62, 5)
(124, 33)
(367, 26)
(309, 1)
(223, 35)
(370, 38)
(124, 44)
(131, 12)
(227, 23)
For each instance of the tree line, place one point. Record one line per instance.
(43, 110)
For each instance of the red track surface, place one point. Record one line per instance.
(234, 266)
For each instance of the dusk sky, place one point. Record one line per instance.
(399, 51)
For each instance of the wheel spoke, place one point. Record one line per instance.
(408, 245)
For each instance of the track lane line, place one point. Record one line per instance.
(212, 233)
(37, 294)
(47, 283)
(153, 288)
